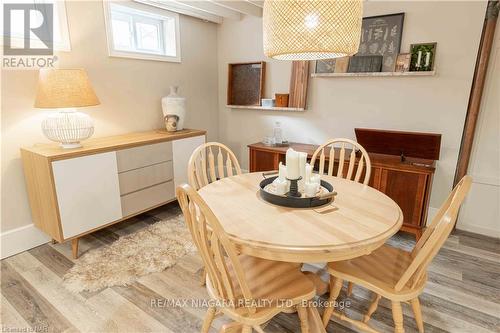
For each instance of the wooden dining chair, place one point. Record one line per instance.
(204, 167)
(247, 289)
(357, 170)
(393, 273)
(354, 168)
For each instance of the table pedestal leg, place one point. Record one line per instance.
(321, 286)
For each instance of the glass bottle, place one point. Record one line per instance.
(278, 133)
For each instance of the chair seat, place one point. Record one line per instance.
(270, 281)
(379, 271)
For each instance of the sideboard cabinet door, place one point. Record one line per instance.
(88, 192)
(263, 160)
(407, 189)
(182, 150)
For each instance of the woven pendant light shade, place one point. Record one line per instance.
(311, 29)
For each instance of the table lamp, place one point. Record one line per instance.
(65, 90)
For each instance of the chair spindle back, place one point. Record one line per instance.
(204, 167)
(354, 168)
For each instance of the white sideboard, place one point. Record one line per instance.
(75, 192)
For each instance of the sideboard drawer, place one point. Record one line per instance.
(138, 157)
(138, 179)
(147, 198)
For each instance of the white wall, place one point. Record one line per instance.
(129, 90)
(481, 210)
(337, 105)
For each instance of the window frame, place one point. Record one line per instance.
(153, 12)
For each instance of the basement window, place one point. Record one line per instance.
(136, 31)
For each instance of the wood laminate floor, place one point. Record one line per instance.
(462, 294)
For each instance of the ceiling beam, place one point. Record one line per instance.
(212, 8)
(257, 3)
(181, 8)
(244, 7)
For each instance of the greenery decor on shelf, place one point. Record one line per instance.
(422, 57)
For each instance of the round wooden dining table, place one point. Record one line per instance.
(358, 221)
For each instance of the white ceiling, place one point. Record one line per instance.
(210, 10)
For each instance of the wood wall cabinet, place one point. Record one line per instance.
(75, 192)
(408, 183)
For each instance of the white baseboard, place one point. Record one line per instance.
(479, 230)
(430, 214)
(21, 239)
(467, 227)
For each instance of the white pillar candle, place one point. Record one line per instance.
(302, 170)
(281, 186)
(292, 164)
(302, 164)
(315, 179)
(419, 58)
(309, 169)
(427, 59)
(311, 189)
(282, 172)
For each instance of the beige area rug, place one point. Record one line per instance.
(153, 249)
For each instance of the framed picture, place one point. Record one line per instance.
(245, 84)
(381, 35)
(342, 65)
(325, 66)
(365, 64)
(422, 57)
(337, 65)
(403, 62)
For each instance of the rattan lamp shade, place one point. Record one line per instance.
(64, 88)
(311, 29)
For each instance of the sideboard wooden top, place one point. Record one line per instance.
(109, 143)
(389, 161)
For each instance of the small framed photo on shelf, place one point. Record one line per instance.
(365, 64)
(325, 66)
(422, 57)
(403, 62)
(342, 65)
(337, 65)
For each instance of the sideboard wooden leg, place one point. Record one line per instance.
(53, 241)
(74, 247)
(418, 234)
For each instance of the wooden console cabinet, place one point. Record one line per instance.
(73, 192)
(408, 183)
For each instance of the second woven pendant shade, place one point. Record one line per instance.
(311, 29)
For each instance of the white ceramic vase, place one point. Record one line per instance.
(173, 104)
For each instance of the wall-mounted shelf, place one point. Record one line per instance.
(376, 74)
(257, 107)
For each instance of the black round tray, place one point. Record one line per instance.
(295, 202)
